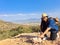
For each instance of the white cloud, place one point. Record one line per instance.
(54, 14)
(19, 16)
(22, 16)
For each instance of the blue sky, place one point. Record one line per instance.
(13, 10)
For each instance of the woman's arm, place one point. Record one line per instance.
(45, 32)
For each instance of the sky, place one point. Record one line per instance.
(13, 10)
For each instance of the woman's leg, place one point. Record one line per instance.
(53, 35)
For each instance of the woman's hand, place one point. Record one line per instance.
(41, 36)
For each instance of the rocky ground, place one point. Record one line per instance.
(25, 39)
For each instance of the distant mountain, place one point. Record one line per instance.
(5, 25)
(31, 20)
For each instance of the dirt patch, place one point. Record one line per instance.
(25, 39)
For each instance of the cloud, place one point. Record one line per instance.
(32, 15)
(21, 15)
(25, 16)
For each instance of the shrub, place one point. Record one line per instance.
(13, 33)
(35, 28)
(24, 29)
(21, 29)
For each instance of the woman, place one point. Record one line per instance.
(50, 26)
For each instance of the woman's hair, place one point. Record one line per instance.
(56, 19)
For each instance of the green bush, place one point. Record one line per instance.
(21, 29)
(24, 29)
(4, 35)
(35, 28)
(13, 33)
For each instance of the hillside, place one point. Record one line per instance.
(21, 34)
(7, 25)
